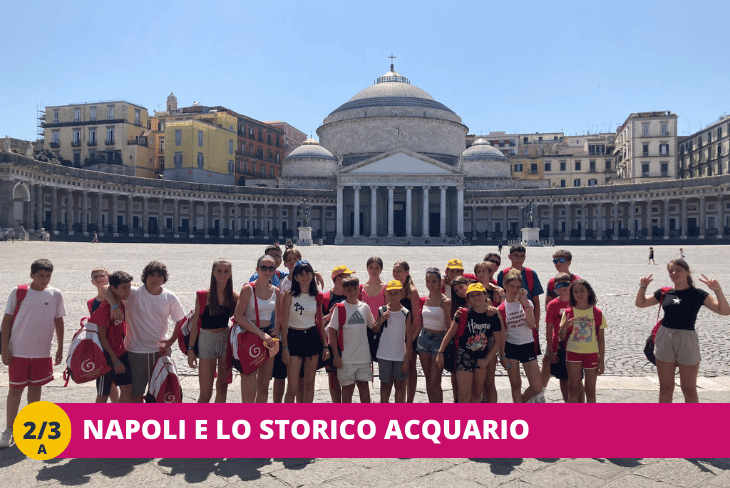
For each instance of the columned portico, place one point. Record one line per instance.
(339, 238)
(373, 211)
(356, 213)
(425, 228)
(409, 212)
(443, 211)
(390, 211)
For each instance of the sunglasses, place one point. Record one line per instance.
(494, 262)
(270, 269)
(563, 284)
(560, 260)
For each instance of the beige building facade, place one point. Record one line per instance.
(104, 136)
(646, 147)
(706, 153)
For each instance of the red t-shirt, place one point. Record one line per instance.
(551, 285)
(553, 315)
(115, 332)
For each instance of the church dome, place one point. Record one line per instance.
(310, 149)
(392, 90)
(482, 150)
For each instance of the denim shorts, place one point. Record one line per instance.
(430, 342)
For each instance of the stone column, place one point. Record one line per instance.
(54, 209)
(649, 220)
(373, 211)
(70, 211)
(100, 212)
(130, 208)
(113, 214)
(460, 211)
(176, 216)
(426, 218)
(146, 216)
(206, 223)
(720, 217)
(443, 211)
(666, 218)
(356, 212)
(222, 219)
(632, 218)
(340, 237)
(265, 221)
(568, 221)
(616, 221)
(236, 220)
(489, 221)
(161, 224)
(280, 221)
(504, 222)
(683, 221)
(702, 221)
(473, 222)
(390, 211)
(583, 221)
(409, 212)
(251, 221)
(85, 212)
(39, 207)
(552, 221)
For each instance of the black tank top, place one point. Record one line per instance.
(214, 321)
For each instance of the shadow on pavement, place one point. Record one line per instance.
(79, 471)
(505, 466)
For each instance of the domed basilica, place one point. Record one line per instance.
(399, 162)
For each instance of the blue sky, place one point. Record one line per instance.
(513, 66)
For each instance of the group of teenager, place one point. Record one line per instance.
(465, 323)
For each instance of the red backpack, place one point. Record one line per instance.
(19, 297)
(325, 300)
(164, 383)
(86, 360)
(184, 326)
(529, 274)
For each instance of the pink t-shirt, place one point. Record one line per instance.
(33, 328)
(374, 302)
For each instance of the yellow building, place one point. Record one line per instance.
(196, 144)
(104, 136)
(527, 168)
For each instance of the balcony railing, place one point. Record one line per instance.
(91, 143)
(138, 142)
(75, 143)
(55, 144)
(109, 142)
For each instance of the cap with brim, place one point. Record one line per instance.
(342, 269)
(476, 287)
(394, 285)
(455, 264)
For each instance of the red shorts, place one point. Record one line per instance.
(590, 361)
(30, 372)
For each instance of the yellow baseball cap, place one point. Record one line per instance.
(394, 285)
(455, 264)
(476, 287)
(342, 269)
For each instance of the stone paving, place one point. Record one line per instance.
(613, 271)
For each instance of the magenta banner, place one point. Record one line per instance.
(395, 430)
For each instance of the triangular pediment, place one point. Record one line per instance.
(400, 162)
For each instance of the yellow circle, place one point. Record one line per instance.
(42, 430)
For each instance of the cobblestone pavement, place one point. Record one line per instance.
(613, 271)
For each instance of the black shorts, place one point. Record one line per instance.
(559, 370)
(104, 383)
(304, 342)
(467, 361)
(279, 372)
(523, 353)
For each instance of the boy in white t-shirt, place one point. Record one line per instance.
(148, 309)
(27, 337)
(393, 353)
(353, 362)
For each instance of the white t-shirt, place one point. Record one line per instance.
(33, 328)
(356, 349)
(516, 324)
(285, 284)
(147, 319)
(392, 345)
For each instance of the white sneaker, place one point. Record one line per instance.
(6, 440)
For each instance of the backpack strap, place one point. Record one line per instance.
(530, 275)
(326, 302)
(341, 317)
(462, 326)
(503, 312)
(20, 294)
(202, 302)
(255, 303)
(381, 311)
(318, 320)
